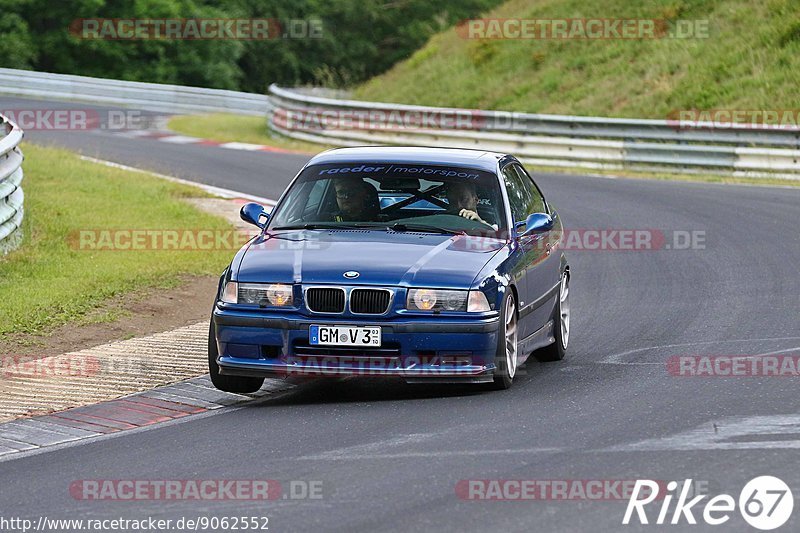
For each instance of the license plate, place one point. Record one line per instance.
(344, 336)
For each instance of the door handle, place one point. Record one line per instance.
(548, 248)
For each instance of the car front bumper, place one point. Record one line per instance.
(418, 349)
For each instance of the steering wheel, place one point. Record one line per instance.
(447, 220)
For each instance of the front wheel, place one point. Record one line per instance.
(237, 384)
(557, 350)
(506, 357)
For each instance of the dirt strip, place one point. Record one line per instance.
(77, 365)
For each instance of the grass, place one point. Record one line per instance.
(48, 282)
(751, 60)
(224, 127)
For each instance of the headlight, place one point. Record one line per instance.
(279, 295)
(446, 300)
(275, 295)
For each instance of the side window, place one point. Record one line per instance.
(534, 200)
(536, 203)
(315, 195)
(526, 193)
(515, 193)
(523, 195)
(310, 195)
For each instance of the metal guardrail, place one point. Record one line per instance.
(11, 195)
(148, 96)
(550, 140)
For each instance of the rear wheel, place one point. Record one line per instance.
(505, 360)
(237, 384)
(561, 325)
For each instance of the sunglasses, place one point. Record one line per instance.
(344, 195)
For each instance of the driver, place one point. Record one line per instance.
(463, 200)
(357, 200)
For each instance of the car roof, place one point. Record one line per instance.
(462, 157)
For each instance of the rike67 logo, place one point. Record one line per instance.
(765, 503)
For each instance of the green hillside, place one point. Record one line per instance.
(750, 60)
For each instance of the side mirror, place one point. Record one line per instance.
(254, 214)
(536, 223)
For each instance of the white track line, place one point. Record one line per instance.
(219, 191)
(616, 359)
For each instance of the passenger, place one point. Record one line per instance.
(463, 200)
(357, 200)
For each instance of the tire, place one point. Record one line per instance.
(507, 355)
(561, 325)
(236, 384)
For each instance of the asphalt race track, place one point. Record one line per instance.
(390, 455)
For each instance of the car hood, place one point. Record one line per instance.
(380, 258)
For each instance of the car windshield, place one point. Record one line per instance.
(429, 198)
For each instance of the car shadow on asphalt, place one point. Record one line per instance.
(367, 389)
(380, 389)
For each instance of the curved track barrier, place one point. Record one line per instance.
(149, 96)
(552, 140)
(11, 195)
(687, 146)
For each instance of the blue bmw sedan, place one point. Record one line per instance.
(434, 265)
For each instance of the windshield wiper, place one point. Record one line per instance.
(400, 227)
(330, 225)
